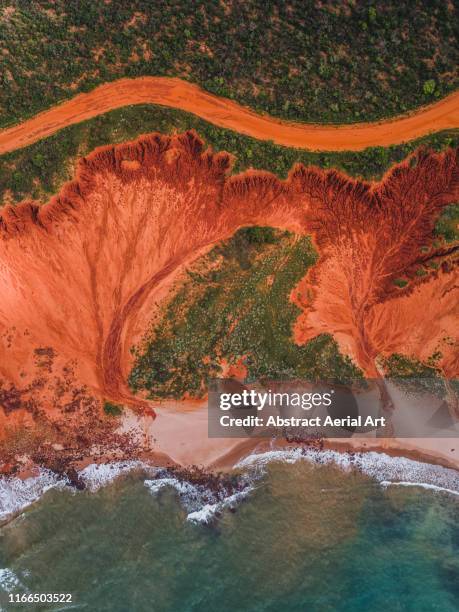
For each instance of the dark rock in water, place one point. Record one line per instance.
(74, 479)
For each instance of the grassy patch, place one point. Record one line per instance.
(447, 226)
(234, 304)
(313, 61)
(112, 409)
(404, 366)
(416, 376)
(38, 171)
(401, 282)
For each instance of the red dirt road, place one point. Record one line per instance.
(175, 93)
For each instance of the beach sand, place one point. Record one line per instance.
(180, 432)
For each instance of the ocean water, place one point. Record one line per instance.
(315, 533)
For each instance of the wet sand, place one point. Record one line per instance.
(175, 93)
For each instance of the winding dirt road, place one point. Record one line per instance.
(175, 93)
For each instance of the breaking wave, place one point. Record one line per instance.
(385, 469)
(204, 502)
(9, 581)
(98, 475)
(16, 493)
(423, 485)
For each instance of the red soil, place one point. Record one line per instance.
(175, 93)
(368, 236)
(79, 276)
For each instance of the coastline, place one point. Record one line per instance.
(179, 444)
(180, 433)
(384, 464)
(177, 437)
(366, 445)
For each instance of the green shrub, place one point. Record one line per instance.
(429, 87)
(447, 226)
(112, 409)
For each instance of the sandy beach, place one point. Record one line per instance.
(178, 438)
(180, 432)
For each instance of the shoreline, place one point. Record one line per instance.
(180, 431)
(106, 469)
(177, 439)
(229, 460)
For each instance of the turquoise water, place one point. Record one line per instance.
(306, 538)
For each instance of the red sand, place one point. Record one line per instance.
(80, 276)
(175, 93)
(369, 236)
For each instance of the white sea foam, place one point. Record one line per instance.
(423, 485)
(379, 466)
(183, 488)
(201, 504)
(97, 475)
(9, 582)
(207, 513)
(16, 493)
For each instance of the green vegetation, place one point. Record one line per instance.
(112, 409)
(447, 226)
(312, 61)
(416, 376)
(403, 366)
(39, 170)
(234, 305)
(401, 282)
(429, 87)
